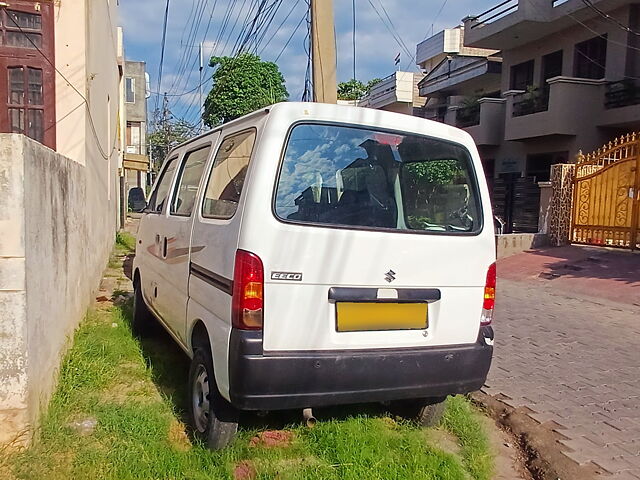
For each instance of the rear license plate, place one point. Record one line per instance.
(355, 317)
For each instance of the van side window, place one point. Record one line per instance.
(159, 195)
(227, 176)
(184, 196)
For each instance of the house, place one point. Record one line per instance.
(396, 93)
(60, 153)
(569, 81)
(136, 158)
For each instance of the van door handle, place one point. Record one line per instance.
(164, 247)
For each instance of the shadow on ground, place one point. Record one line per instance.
(592, 271)
(170, 369)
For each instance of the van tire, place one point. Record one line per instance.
(426, 412)
(213, 418)
(142, 317)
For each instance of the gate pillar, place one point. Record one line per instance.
(562, 178)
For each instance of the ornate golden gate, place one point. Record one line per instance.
(606, 196)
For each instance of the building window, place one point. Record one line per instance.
(551, 66)
(522, 75)
(11, 24)
(130, 89)
(133, 137)
(590, 58)
(27, 74)
(26, 102)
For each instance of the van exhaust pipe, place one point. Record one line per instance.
(309, 419)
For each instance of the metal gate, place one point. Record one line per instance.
(606, 196)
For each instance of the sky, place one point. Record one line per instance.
(376, 45)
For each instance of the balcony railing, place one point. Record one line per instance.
(531, 102)
(436, 114)
(468, 116)
(494, 13)
(622, 94)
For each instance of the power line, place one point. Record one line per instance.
(277, 29)
(164, 39)
(608, 17)
(290, 37)
(601, 35)
(384, 10)
(91, 123)
(183, 62)
(390, 29)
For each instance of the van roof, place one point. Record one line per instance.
(339, 113)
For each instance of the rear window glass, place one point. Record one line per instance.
(227, 176)
(355, 177)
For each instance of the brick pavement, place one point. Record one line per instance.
(574, 361)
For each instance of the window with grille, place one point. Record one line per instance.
(130, 89)
(26, 101)
(591, 58)
(27, 70)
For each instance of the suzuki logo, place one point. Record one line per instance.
(390, 276)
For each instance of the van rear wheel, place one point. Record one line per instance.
(426, 412)
(142, 316)
(214, 419)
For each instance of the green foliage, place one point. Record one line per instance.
(351, 90)
(242, 85)
(125, 242)
(164, 138)
(355, 89)
(436, 172)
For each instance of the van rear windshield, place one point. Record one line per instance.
(355, 177)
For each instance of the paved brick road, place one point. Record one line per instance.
(574, 361)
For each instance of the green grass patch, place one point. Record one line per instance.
(125, 242)
(134, 393)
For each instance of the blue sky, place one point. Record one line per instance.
(376, 47)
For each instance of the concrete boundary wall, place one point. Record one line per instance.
(54, 243)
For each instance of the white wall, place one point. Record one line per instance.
(58, 213)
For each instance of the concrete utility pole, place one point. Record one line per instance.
(201, 122)
(323, 51)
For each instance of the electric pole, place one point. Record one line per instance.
(323, 51)
(201, 122)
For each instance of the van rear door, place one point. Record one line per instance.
(378, 239)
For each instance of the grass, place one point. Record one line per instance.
(133, 393)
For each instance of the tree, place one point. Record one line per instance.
(241, 85)
(165, 136)
(351, 90)
(355, 89)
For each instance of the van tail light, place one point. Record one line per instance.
(248, 287)
(489, 297)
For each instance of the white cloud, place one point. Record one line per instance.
(375, 46)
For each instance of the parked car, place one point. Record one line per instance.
(137, 202)
(308, 255)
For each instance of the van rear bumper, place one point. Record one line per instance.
(287, 380)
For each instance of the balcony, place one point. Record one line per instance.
(569, 103)
(513, 23)
(621, 100)
(622, 94)
(534, 101)
(468, 116)
(435, 48)
(397, 92)
(483, 120)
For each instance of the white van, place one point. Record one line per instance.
(308, 255)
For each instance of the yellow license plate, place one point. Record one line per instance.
(354, 317)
